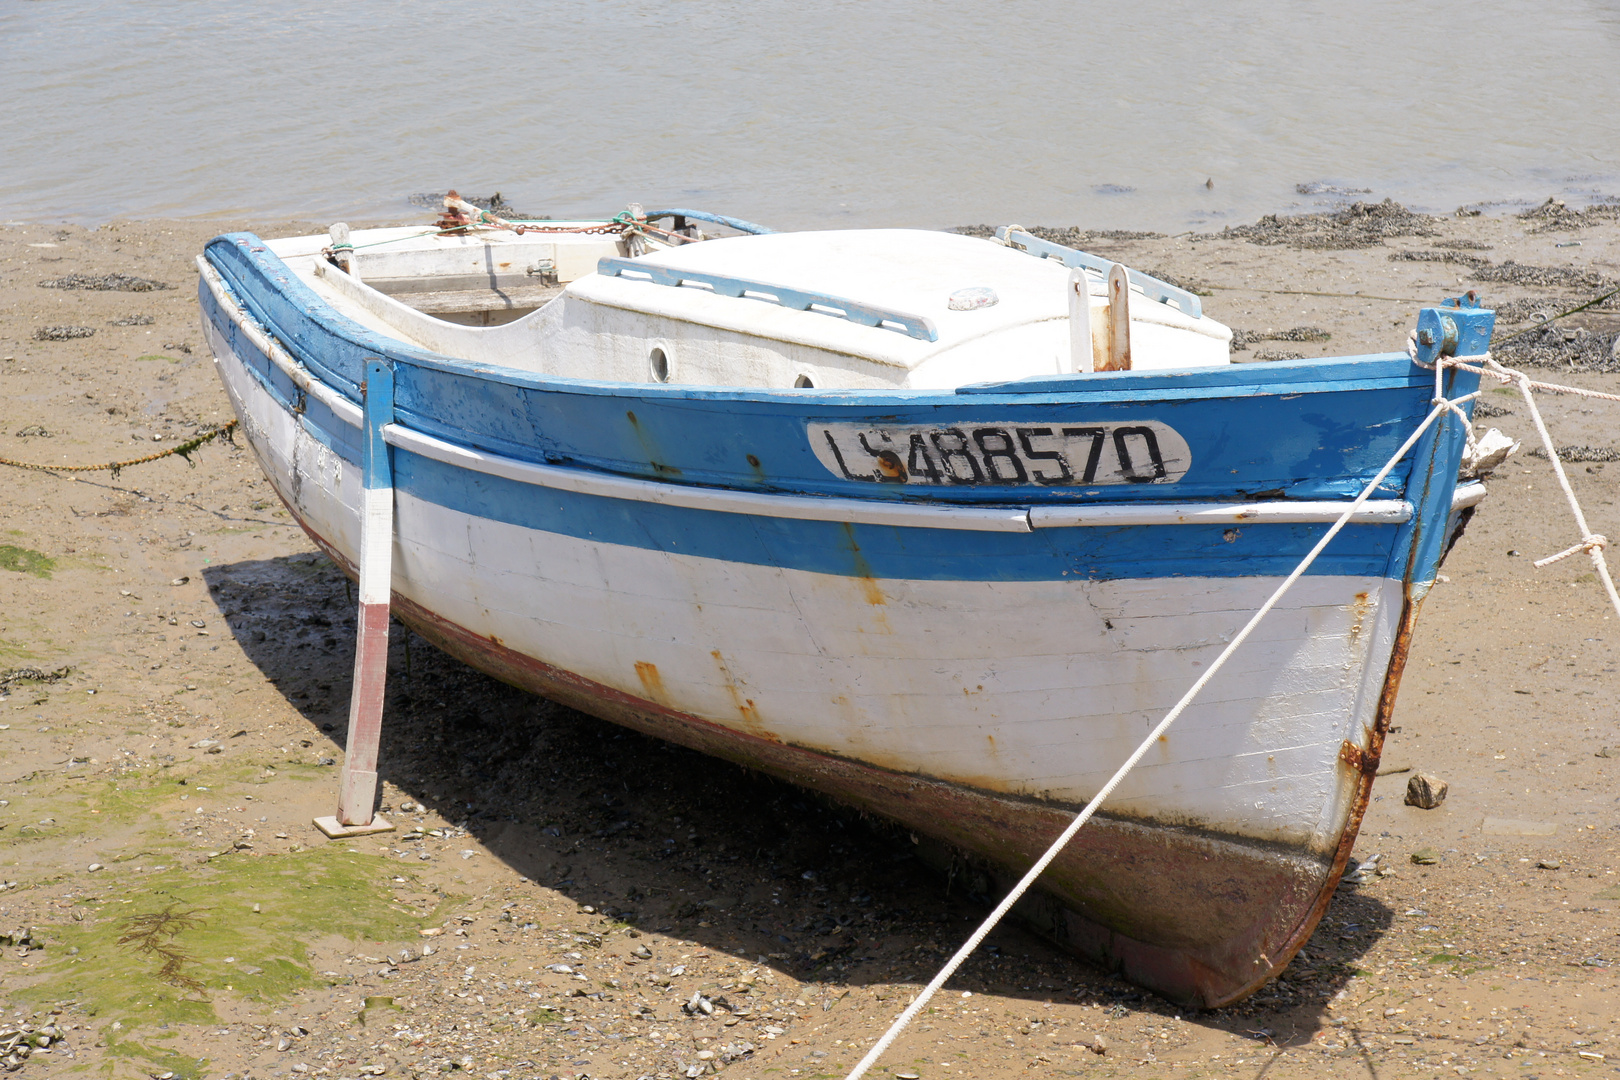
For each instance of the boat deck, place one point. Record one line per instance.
(869, 309)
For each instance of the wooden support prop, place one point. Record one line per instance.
(1118, 353)
(359, 791)
(1082, 354)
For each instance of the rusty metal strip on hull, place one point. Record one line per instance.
(1367, 767)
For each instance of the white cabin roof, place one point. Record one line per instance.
(908, 271)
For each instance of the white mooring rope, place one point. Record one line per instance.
(1590, 542)
(1442, 405)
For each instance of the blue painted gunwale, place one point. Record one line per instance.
(1248, 438)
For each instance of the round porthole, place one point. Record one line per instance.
(658, 361)
(804, 382)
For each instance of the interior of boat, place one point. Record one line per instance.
(879, 308)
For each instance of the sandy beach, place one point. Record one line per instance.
(566, 899)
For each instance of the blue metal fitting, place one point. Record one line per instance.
(1461, 328)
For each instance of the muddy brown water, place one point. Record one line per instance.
(1182, 115)
(191, 773)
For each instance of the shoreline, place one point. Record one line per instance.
(178, 762)
(1306, 198)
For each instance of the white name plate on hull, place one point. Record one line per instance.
(1003, 455)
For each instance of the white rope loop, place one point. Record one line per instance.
(1440, 396)
(1114, 781)
(1588, 543)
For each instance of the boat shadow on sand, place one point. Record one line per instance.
(672, 841)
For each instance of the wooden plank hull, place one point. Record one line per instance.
(972, 680)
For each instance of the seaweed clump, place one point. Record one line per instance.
(1569, 348)
(1359, 225)
(1554, 216)
(1544, 277)
(1242, 339)
(1069, 236)
(1579, 453)
(106, 283)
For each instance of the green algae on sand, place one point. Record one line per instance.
(166, 946)
(26, 561)
(153, 1060)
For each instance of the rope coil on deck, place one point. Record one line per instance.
(623, 224)
(184, 450)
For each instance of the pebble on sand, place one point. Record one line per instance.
(1425, 791)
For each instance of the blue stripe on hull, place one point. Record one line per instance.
(1242, 447)
(886, 552)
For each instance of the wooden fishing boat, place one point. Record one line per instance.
(938, 526)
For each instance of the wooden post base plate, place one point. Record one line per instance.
(336, 830)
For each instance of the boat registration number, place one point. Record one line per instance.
(1051, 455)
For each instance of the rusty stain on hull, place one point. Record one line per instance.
(1367, 769)
(650, 447)
(744, 705)
(1352, 755)
(651, 681)
(1360, 610)
(870, 590)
